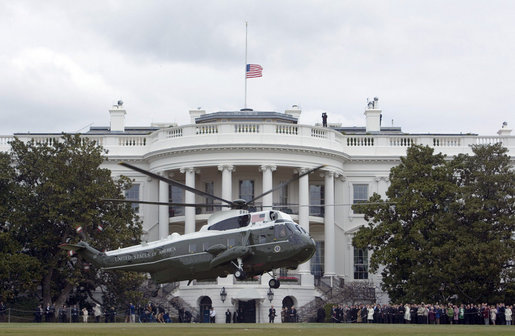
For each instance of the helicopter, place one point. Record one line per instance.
(237, 241)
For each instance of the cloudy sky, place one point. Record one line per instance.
(436, 66)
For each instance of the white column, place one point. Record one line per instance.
(164, 213)
(189, 197)
(329, 231)
(267, 202)
(340, 214)
(226, 182)
(305, 268)
(267, 185)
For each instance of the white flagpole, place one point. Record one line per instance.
(245, 72)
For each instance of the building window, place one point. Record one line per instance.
(283, 194)
(133, 195)
(360, 192)
(210, 189)
(283, 200)
(360, 263)
(317, 262)
(176, 196)
(316, 197)
(246, 190)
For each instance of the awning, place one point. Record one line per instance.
(248, 294)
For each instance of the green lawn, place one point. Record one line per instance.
(122, 329)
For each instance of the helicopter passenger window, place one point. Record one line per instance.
(231, 242)
(280, 231)
(262, 239)
(192, 248)
(231, 223)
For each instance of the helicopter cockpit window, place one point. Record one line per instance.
(293, 228)
(231, 223)
(280, 231)
(299, 228)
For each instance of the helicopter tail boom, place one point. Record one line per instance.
(86, 251)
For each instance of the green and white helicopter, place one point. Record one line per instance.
(237, 241)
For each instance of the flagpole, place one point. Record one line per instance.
(245, 72)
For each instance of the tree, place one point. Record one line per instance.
(485, 224)
(61, 186)
(16, 268)
(433, 237)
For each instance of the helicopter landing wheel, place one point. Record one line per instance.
(274, 283)
(239, 274)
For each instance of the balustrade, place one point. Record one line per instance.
(360, 141)
(292, 134)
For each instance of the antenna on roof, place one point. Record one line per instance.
(80, 129)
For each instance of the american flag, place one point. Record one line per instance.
(258, 218)
(254, 71)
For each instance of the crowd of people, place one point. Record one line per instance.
(147, 314)
(288, 315)
(500, 314)
(73, 314)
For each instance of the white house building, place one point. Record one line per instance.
(240, 154)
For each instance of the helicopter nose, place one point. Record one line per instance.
(309, 248)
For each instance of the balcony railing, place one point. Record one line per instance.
(225, 134)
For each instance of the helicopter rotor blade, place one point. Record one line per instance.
(176, 184)
(197, 205)
(293, 179)
(296, 205)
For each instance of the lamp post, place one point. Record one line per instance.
(223, 294)
(270, 295)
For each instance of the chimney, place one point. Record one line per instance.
(118, 117)
(373, 115)
(196, 113)
(295, 111)
(504, 131)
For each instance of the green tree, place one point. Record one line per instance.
(433, 237)
(16, 268)
(61, 186)
(485, 224)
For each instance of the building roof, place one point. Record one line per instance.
(245, 115)
(362, 130)
(102, 130)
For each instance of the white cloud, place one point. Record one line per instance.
(437, 66)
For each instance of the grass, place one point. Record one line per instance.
(298, 329)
